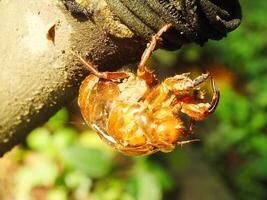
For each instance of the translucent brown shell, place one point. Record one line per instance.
(138, 115)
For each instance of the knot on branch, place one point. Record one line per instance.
(192, 20)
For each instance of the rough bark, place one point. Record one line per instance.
(192, 20)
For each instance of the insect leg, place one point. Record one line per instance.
(142, 71)
(200, 79)
(157, 97)
(187, 141)
(105, 75)
(215, 90)
(191, 125)
(151, 46)
(199, 111)
(215, 97)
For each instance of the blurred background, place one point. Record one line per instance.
(63, 159)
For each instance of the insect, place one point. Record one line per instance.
(138, 115)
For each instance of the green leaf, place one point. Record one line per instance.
(233, 108)
(95, 163)
(148, 186)
(57, 194)
(64, 137)
(79, 183)
(39, 139)
(258, 121)
(259, 146)
(42, 172)
(58, 120)
(162, 176)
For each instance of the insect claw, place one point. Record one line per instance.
(215, 97)
(187, 141)
(90, 66)
(197, 81)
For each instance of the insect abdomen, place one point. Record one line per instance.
(130, 124)
(135, 125)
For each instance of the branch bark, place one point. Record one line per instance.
(39, 74)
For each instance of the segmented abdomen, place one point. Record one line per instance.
(132, 127)
(136, 125)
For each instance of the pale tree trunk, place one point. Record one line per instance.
(39, 74)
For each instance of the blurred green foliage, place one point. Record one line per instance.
(238, 145)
